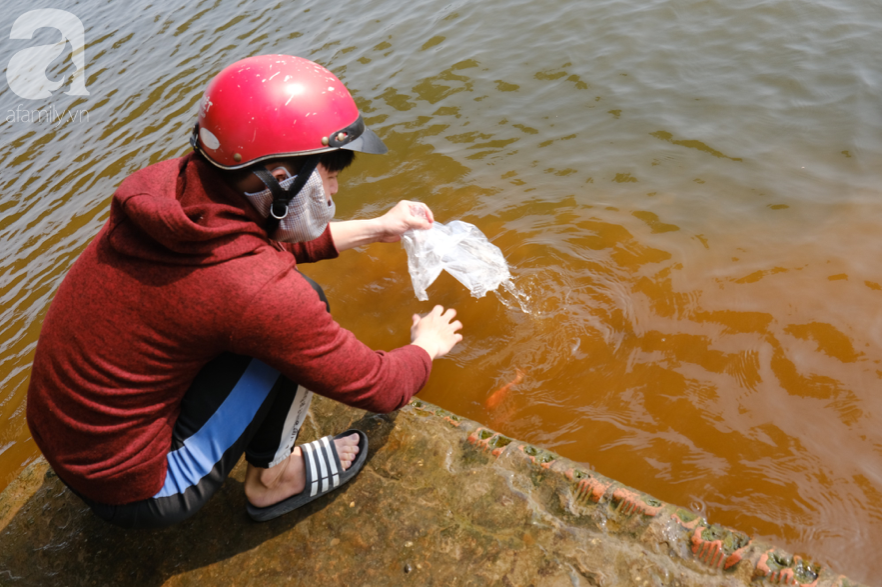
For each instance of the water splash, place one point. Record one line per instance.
(513, 297)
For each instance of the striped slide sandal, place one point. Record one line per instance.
(324, 473)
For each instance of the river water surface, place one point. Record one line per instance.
(688, 190)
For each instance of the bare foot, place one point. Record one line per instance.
(264, 487)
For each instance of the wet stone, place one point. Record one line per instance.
(441, 501)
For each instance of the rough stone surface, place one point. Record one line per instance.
(441, 501)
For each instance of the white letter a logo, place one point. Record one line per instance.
(26, 72)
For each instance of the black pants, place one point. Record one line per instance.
(235, 404)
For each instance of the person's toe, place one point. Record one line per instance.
(347, 450)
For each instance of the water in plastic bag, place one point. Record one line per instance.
(459, 248)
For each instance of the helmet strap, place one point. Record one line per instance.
(194, 138)
(281, 196)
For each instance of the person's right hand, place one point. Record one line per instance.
(402, 217)
(436, 332)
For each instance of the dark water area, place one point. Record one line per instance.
(688, 192)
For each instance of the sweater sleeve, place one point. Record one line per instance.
(315, 250)
(287, 326)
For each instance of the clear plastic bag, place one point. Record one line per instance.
(458, 248)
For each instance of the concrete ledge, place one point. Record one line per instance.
(441, 501)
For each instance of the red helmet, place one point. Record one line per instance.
(272, 106)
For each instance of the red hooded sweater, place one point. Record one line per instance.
(181, 272)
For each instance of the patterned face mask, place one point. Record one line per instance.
(309, 212)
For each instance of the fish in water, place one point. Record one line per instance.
(497, 396)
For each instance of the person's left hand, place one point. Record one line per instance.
(401, 218)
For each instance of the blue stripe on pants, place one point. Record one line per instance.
(202, 451)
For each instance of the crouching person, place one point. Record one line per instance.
(184, 335)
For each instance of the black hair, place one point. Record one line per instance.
(334, 161)
(337, 160)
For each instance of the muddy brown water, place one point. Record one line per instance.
(688, 191)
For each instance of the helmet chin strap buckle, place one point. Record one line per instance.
(281, 196)
(273, 211)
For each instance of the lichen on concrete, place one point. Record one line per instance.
(442, 501)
